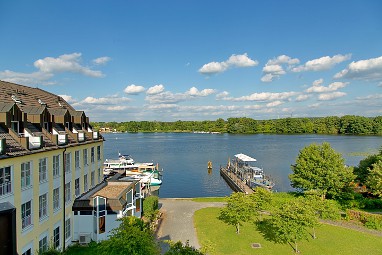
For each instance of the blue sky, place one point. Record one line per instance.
(198, 60)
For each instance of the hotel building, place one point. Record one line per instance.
(49, 156)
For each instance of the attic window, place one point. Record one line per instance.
(16, 99)
(41, 102)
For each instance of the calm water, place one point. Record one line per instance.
(184, 156)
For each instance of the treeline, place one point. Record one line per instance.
(348, 124)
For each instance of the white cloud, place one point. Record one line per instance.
(241, 61)
(26, 78)
(331, 96)
(318, 82)
(68, 99)
(101, 60)
(370, 97)
(162, 106)
(134, 89)
(301, 98)
(222, 95)
(48, 67)
(322, 89)
(369, 69)
(274, 103)
(65, 63)
(283, 59)
(116, 108)
(265, 96)
(323, 63)
(233, 61)
(195, 92)
(155, 89)
(168, 97)
(274, 69)
(105, 100)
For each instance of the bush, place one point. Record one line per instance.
(369, 220)
(150, 207)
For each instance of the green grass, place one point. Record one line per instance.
(210, 199)
(330, 239)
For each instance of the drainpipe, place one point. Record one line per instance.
(63, 198)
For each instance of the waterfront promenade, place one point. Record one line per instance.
(177, 220)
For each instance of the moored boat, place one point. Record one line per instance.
(243, 167)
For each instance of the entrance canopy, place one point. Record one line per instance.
(245, 158)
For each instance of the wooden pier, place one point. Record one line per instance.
(235, 182)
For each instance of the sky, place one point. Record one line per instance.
(198, 60)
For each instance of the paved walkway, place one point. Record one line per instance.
(177, 223)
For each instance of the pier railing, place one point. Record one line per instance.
(234, 181)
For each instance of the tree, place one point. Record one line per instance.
(290, 222)
(132, 236)
(365, 165)
(239, 209)
(374, 179)
(261, 200)
(179, 249)
(320, 167)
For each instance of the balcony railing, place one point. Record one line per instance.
(5, 188)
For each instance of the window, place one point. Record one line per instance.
(92, 179)
(56, 165)
(28, 252)
(68, 196)
(77, 159)
(43, 245)
(85, 182)
(85, 157)
(67, 229)
(67, 162)
(5, 180)
(77, 186)
(56, 237)
(98, 152)
(92, 154)
(25, 174)
(43, 206)
(56, 199)
(26, 214)
(99, 175)
(42, 170)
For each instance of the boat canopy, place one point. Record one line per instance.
(245, 158)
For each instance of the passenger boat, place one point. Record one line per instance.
(147, 172)
(117, 165)
(243, 167)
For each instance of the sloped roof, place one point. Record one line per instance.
(34, 110)
(6, 107)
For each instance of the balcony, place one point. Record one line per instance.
(26, 221)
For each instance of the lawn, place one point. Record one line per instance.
(330, 239)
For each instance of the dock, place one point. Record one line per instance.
(235, 182)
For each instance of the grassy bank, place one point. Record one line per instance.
(330, 239)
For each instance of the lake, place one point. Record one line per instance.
(184, 156)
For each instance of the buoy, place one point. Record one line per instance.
(209, 165)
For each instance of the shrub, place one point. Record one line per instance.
(150, 207)
(369, 220)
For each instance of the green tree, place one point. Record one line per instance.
(374, 179)
(291, 221)
(365, 165)
(320, 167)
(179, 249)
(132, 236)
(261, 199)
(150, 207)
(239, 209)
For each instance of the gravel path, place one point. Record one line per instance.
(177, 220)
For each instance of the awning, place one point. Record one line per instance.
(245, 158)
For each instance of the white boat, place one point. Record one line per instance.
(146, 178)
(111, 166)
(242, 166)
